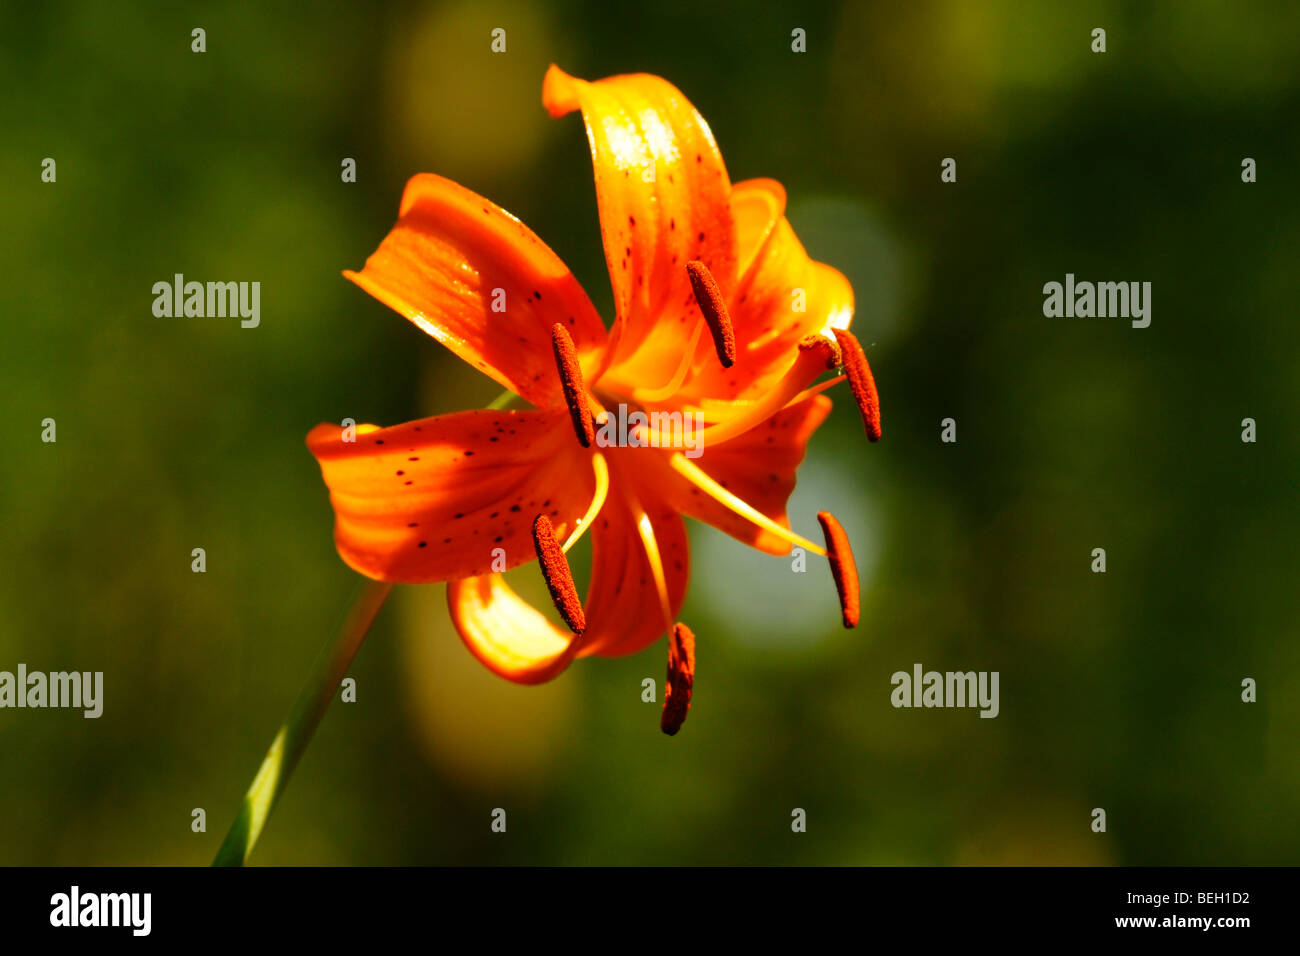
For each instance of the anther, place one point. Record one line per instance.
(861, 382)
(559, 579)
(575, 395)
(681, 679)
(714, 309)
(843, 568)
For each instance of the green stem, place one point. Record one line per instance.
(296, 732)
(503, 400)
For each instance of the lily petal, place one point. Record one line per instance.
(757, 206)
(664, 199)
(510, 636)
(758, 467)
(435, 499)
(483, 284)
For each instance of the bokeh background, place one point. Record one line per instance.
(1119, 691)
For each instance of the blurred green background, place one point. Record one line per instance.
(1119, 691)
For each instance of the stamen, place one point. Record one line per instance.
(861, 381)
(559, 579)
(696, 476)
(681, 679)
(575, 395)
(714, 308)
(843, 568)
(601, 469)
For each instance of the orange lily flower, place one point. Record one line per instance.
(461, 497)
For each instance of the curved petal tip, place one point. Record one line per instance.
(559, 92)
